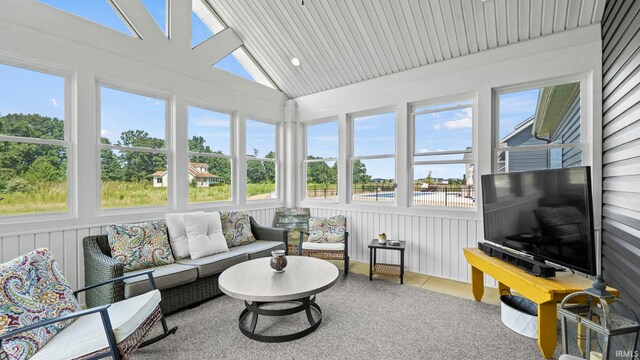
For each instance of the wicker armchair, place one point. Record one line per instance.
(120, 344)
(100, 267)
(327, 254)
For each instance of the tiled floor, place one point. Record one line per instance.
(445, 286)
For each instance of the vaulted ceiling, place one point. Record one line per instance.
(340, 42)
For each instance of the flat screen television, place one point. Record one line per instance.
(544, 213)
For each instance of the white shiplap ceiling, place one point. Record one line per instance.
(341, 42)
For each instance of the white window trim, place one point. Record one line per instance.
(231, 157)
(351, 158)
(305, 161)
(277, 160)
(68, 142)
(168, 150)
(472, 97)
(582, 79)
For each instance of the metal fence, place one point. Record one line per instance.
(321, 191)
(382, 192)
(433, 195)
(445, 195)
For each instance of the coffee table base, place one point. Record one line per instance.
(254, 309)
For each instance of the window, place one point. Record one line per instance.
(209, 167)
(204, 22)
(321, 163)
(133, 150)
(242, 64)
(98, 11)
(443, 166)
(158, 11)
(373, 157)
(34, 142)
(261, 160)
(538, 129)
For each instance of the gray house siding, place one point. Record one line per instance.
(526, 160)
(621, 149)
(569, 132)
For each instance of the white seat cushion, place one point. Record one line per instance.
(87, 335)
(322, 246)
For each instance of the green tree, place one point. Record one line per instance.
(360, 175)
(139, 166)
(110, 164)
(44, 169)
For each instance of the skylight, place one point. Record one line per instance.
(158, 11)
(204, 22)
(230, 64)
(98, 11)
(240, 63)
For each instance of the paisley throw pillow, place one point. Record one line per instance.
(33, 290)
(140, 246)
(236, 228)
(327, 230)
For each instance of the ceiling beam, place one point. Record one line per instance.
(217, 47)
(141, 22)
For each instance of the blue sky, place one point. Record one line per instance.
(214, 127)
(516, 107)
(30, 92)
(322, 140)
(121, 111)
(260, 136)
(101, 12)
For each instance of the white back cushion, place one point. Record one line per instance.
(204, 234)
(178, 234)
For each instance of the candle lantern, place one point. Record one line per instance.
(596, 325)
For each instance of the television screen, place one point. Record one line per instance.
(544, 213)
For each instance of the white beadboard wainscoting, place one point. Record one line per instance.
(66, 244)
(434, 244)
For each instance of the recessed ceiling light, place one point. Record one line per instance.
(295, 61)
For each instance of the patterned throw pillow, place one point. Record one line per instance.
(140, 246)
(33, 290)
(236, 228)
(327, 230)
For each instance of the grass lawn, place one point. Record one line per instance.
(52, 197)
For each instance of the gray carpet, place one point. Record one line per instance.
(361, 320)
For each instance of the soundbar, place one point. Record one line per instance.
(531, 266)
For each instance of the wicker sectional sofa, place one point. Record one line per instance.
(182, 284)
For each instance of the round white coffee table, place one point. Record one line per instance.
(257, 284)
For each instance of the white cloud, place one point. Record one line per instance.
(105, 133)
(423, 150)
(437, 126)
(458, 124)
(54, 102)
(213, 122)
(324, 139)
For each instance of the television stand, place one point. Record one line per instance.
(532, 266)
(545, 292)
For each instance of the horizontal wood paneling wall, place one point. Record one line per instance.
(621, 149)
(434, 244)
(67, 245)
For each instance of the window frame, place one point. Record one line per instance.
(68, 142)
(231, 157)
(305, 161)
(351, 157)
(582, 80)
(275, 160)
(168, 151)
(412, 154)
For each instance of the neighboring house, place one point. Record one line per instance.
(557, 120)
(197, 171)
